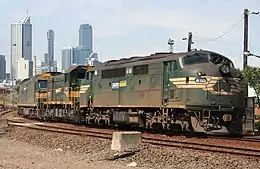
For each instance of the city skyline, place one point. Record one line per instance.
(77, 55)
(123, 29)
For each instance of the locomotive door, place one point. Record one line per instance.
(166, 82)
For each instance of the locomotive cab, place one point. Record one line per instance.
(211, 89)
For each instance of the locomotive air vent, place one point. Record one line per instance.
(161, 53)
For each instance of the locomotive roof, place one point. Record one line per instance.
(153, 58)
(141, 59)
(24, 81)
(72, 68)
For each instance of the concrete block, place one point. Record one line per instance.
(126, 140)
(3, 123)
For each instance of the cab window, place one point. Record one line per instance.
(195, 58)
(219, 59)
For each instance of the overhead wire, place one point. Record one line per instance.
(225, 33)
(232, 27)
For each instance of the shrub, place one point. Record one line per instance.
(257, 126)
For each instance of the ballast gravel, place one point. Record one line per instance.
(28, 148)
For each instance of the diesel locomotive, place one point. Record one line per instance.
(198, 91)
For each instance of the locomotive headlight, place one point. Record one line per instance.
(227, 117)
(201, 74)
(225, 69)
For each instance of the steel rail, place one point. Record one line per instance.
(155, 141)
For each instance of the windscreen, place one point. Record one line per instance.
(196, 58)
(81, 73)
(43, 84)
(219, 59)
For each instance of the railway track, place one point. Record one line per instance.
(5, 111)
(256, 140)
(156, 141)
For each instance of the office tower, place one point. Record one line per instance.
(86, 37)
(50, 60)
(21, 46)
(7, 76)
(2, 67)
(66, 59)
(55, 66)
(73, 56)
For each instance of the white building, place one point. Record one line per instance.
(37, 67)
(92, 59)
(24, 68)
(21, 45)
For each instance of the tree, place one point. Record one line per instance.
(252, 78)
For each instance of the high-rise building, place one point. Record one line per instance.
(66, 59)
(38, 67)
(7, 76)
(73, 56)
(2, 67)
(24, 68)
(86, 37)
(55, 66)
(50, 39)
(44, 64)
(21, 45)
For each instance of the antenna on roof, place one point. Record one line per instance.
(171, 43)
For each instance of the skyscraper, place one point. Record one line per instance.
(85, 42)
(21, 45)
(2, 67)
(50, 39)
(66, 59)
(72, 56)
(86, 37)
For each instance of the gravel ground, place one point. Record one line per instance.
(29, 148)
(15, 154)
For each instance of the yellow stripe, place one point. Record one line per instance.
(208, 86)
(57, 102)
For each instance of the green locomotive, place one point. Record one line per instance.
(197, 91)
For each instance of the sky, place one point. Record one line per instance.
(125, 28)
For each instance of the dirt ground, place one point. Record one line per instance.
(15, 154)
(23, 148)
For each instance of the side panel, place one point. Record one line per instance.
(106, 92)
(30, 92)
(23, 94)
(56, 88)
(143, 91)
(86, 89)
(143, 87)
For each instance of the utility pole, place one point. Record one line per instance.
(189, 41)
(246, 13)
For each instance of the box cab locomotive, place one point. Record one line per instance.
(198, 91)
